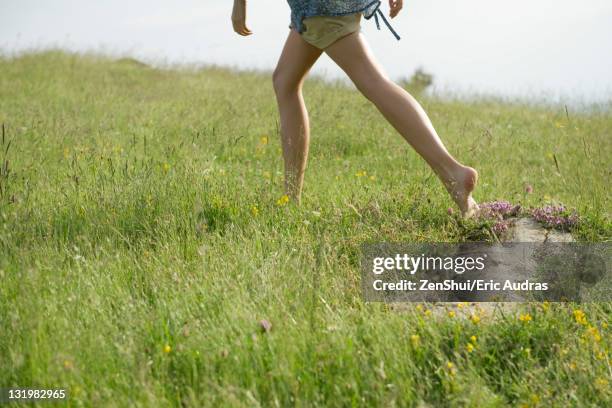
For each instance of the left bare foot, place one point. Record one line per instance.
(460, 186)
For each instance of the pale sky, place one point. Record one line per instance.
(533, 48)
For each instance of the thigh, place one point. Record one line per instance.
(353, 55)
(296, 59)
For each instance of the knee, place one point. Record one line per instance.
(283, 85)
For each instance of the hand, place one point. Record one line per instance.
(395, 7)
(239, 18)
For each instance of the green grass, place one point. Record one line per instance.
(127, 225)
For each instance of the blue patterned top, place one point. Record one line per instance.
(301, 9)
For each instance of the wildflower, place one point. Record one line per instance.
(166, 167)
(255, 211)
(580, 317)
(500, 227)
(604, 325)
(461, 305)
(419, 308)
(167, 349)
(283, 200)
(264, 140)
(450, 365)
(469, 347)
(498, 209)
(427, 312)
(572, 366)
(594, 333)
(601, 384)
(361, 173)
(473, 339)
(528, 189)
(68, 364)
(526, 318)
(475, 318)
(601, 355)
(372, 178)
(451, 313)
(415, 339)
(545, 305)
(557, 217)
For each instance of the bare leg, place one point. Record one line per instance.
(295, 61)
(352, 54)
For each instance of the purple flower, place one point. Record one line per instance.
(556, 217)
(499, 210)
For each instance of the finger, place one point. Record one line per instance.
(395, 11)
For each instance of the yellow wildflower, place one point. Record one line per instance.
(167, 349)
(255, 211)
(580, 317)
(282, 201)
(264, 140)
(601, 384)
(166, 167)
(473, 339)
(361, 173)
(419, 308)
(525, 318)
(594, 333)
(415, 339)
(427, 312)
(475, 319)
(469, 347)
(545, 305)
(450, 365)
(451, 313)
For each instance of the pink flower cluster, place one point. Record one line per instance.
(558, 217)
(499, 211)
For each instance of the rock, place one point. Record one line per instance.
(528, 230)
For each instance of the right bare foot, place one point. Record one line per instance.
(460, 185)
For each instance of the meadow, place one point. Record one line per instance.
(148, 258)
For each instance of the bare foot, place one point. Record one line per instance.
(460, 186)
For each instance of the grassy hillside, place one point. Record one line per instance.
(142, 241)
